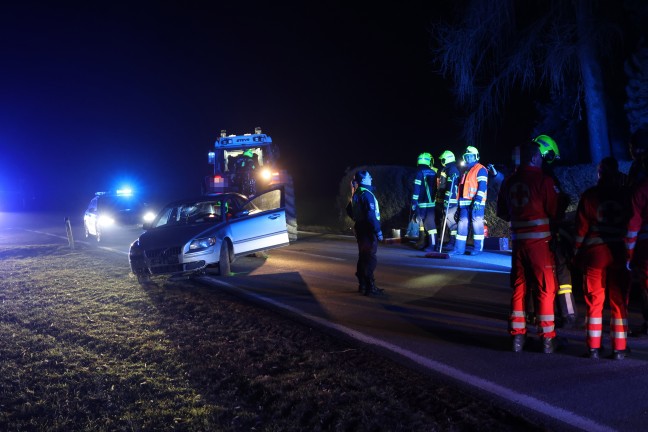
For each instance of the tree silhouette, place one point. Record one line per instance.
(502, 47)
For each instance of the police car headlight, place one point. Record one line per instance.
(105, 220)
(201, 244)
(148, 217)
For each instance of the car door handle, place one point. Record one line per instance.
(274, 216)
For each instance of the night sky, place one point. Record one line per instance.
(96, 93)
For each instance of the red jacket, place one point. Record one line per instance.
(638, 224)
(602, 217)
(529, 201)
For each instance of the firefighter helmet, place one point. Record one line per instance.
(470, 150)
(425, 159)
(446, 157)
(363, 178)
(548, 148)
(248, 153)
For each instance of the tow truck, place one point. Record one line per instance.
(248, 164)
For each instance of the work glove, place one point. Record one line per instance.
(380, 236)
(477, 206)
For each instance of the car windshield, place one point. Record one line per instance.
(194, 212)
(118, 203)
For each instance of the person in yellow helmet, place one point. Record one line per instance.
(472, 191)
(447, 195)
(424, 201)
(562, 236)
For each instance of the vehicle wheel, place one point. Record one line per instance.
(291, 211)
(225, 259)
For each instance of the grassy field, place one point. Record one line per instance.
(85, 348)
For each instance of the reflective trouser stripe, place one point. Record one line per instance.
(594, 328)
(517, 322)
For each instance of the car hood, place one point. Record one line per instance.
(176, 235)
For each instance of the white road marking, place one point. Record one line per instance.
(532, 403)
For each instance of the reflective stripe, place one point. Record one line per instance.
(564, 289)
(619, 335)
(530, 223)
(518, 325)
(478, 237)
(417, 182)
(518, 314)
(594, 333)
(545, 317)
(462, 237)
(414, 197)
(595, 320)
(548, 329)
(619, 321)
(530, 235)
(427, 205)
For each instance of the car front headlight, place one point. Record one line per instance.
(202, 244)
(105, 220)
(148, 217)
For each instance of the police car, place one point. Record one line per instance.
(110, 211)
(187, 236)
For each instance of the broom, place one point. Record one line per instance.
(443, 255)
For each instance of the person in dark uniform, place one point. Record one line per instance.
(365, 212)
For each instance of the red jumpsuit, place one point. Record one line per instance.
(528, 199)
(637, 235)
(601, 221)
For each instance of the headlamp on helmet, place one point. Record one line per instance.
(471, 151)
(548, 148)
(425, 159)
(447, 157)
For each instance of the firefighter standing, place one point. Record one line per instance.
(528, 200)
(472, 191)
(365, 212)
(562, 240)
(601, 222)
(424, 201)
(447, 193)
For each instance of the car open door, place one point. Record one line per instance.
(260, 223)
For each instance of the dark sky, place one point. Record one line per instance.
(97, 92)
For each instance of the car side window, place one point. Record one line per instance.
(268, 201)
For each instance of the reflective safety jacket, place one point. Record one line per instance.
(473, 185)
(638, 224)
(365, 212)
(528, 200)
(446, 195)
(602, 218)
(425, 187)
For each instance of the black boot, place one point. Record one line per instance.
(429, 244)
(420, 244)
(372, 289)
(362, 286)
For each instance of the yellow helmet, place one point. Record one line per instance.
(548, 148)
(425, 159)
(446, 157)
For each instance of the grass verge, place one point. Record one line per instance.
(84, 347)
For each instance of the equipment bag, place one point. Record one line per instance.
(413, 227)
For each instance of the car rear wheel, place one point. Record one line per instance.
(224, 260)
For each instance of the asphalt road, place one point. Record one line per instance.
(446, 317)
